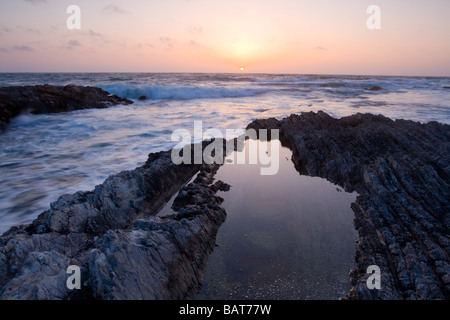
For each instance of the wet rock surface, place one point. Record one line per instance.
(42, 99)
(160, 258)
(111, 233)
(374, 88)
(401, 170)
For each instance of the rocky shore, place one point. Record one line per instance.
(401, 170)
(44, 99)
(124, 250)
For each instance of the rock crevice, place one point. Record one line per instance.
(401, 170)
(124, 250)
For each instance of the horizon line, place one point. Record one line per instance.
(236, 73)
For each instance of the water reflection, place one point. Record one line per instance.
(286, 236)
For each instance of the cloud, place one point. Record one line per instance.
(5, 29)
(36, 1)
(22, 48)
(73, 43)
(321, 48)
(167, 42)
(92, 34)
(195, 45)
(113, 9)
(143, 45)
(196, 30)
(29, 30)
(4, 50)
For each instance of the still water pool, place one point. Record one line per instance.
(286, 236)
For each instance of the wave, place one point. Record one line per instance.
(179, 92)
(281, 79)
(26, 119)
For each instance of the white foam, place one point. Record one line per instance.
(63, 153)
(179, 92)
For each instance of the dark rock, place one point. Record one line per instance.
(42, 276)
(222, 186)
(112, 234)
(159, 258)
(142, 98)
(374, 88)
(43, 99)
(270, 123)
(401, 170)
(446, 87)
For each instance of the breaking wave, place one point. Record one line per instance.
(179, 92)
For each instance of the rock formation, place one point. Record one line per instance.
(123, 250)
(374, 88)
(401, 170)
(52, 99)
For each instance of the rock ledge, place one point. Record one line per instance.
(44, 99)
(401, 170)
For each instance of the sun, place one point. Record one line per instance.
(242, 69)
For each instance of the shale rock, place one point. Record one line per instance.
(111, 233)
(159, 258)
(401, 170)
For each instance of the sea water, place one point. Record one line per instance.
(45, 156)
(286, 236)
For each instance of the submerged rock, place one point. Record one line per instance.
(374, 88)
(44, 99)
(401, 170)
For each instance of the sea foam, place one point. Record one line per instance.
(179, 92)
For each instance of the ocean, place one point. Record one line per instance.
(45, 156)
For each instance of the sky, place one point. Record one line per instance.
(260, 36)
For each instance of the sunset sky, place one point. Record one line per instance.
(276, 36)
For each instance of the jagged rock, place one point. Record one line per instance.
(42, 276)
(401, 170)
(221, 186)
(159, 258)
(76, 224)
(43, 99)
(111, 233)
